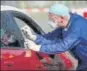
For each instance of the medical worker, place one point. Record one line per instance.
(69, 34)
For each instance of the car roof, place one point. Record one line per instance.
(6, 8)
(11, 8)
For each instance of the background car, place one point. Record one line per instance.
(14, 56)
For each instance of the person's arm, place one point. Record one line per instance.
(61, 46)
(54, 35)
(57, 33)
(41, 38)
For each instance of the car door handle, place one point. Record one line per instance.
(9, 64)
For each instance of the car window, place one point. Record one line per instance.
(8, 39)
(8, 29)
(22, 19)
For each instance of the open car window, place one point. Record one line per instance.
(26, 20)
(21, 23)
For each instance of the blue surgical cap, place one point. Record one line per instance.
(59, 9)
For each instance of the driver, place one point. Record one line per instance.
(8, 39)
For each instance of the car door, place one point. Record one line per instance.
(13, 54)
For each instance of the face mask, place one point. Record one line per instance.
(53, 25)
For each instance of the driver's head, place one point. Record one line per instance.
(59, 15)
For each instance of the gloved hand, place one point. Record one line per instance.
(31, 45)
(28, 34)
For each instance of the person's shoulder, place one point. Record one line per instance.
(78, 23)
(79, 20)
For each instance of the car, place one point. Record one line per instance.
(14, 56)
